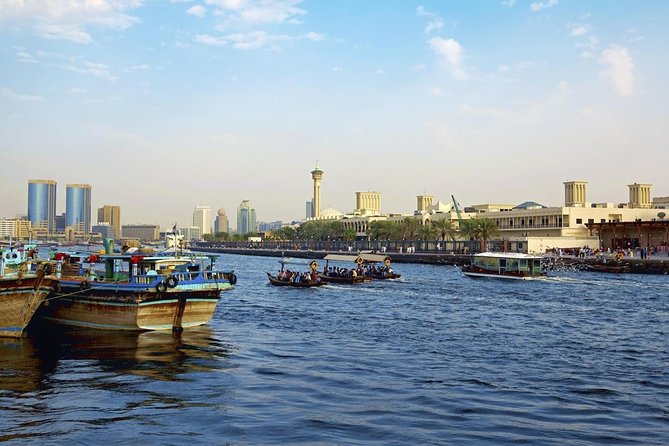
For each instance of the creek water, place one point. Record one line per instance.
(432, 358)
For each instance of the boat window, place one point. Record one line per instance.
(523, 264)
(512, 265)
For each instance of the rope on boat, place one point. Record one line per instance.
(117, 282)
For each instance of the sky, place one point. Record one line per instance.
(162, 106)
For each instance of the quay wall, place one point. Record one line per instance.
(653, 265)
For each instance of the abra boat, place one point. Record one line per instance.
(379, 272)
(285, 277)
(21, 290)
(505, 265)
(344, 275)
(135, 292)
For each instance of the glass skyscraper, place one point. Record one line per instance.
(246, 218)
(78, 207)
(42, 204)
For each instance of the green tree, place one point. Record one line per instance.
(482, 229)
(349, 235)
(427, 232)
(445, 228)
(410, 227)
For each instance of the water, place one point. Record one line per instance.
(434, 358)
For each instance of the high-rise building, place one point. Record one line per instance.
(202, 219)
(78, 207)
(309, 208)
(42, 205)
(142, 232)
(112, 215)
(246, 218)
(317, 176)
(221, 224)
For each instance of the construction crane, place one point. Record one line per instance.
(457, 210)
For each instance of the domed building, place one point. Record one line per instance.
(221, 223)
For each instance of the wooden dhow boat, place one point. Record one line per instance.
(296, 279)
(136, 292)
(22, 290)
(346, 276)
(505, 265)
(379, 272)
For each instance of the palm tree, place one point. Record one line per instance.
(410, 226)
(479, 229)
(445, 228)
(427, 232)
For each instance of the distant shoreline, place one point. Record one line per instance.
(653, 265)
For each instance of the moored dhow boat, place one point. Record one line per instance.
(135, 292)
(505, 265)
(21, 290)
(286, 277)
(344, 275)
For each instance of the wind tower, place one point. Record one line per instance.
(317, 176)
(640, 196)
(575, 193)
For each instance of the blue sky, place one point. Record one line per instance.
(162, 106)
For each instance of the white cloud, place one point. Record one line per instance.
(139, 67)
(69, 19)
(210, 40)
(578, 30)
(435, 22)
(538, 6)
(259, 11)
(314, 36)
(197, 10)
(619, 69)
(589, 47)
(8, 92)
(82, 66)
(244, 41)
(450, 52)
(508, 3)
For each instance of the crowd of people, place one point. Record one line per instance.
(297, 277)
(362, 270)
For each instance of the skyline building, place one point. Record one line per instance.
(221, 224)
(246, 218)
(112, 215)
(317, 176)
(309, 208)
(42, 205)
(202, 219)
(78, 207)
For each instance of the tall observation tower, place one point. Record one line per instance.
(317, 175)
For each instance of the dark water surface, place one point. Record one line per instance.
(434, 358)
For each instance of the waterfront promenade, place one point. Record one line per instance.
(658, 264)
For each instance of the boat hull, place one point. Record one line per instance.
(499, 276)
(119, 309)
(304, 284)
(345, 280)
(19, 300)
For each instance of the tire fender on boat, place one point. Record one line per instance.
(233, 279)
(172, 281)
(161, 287)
